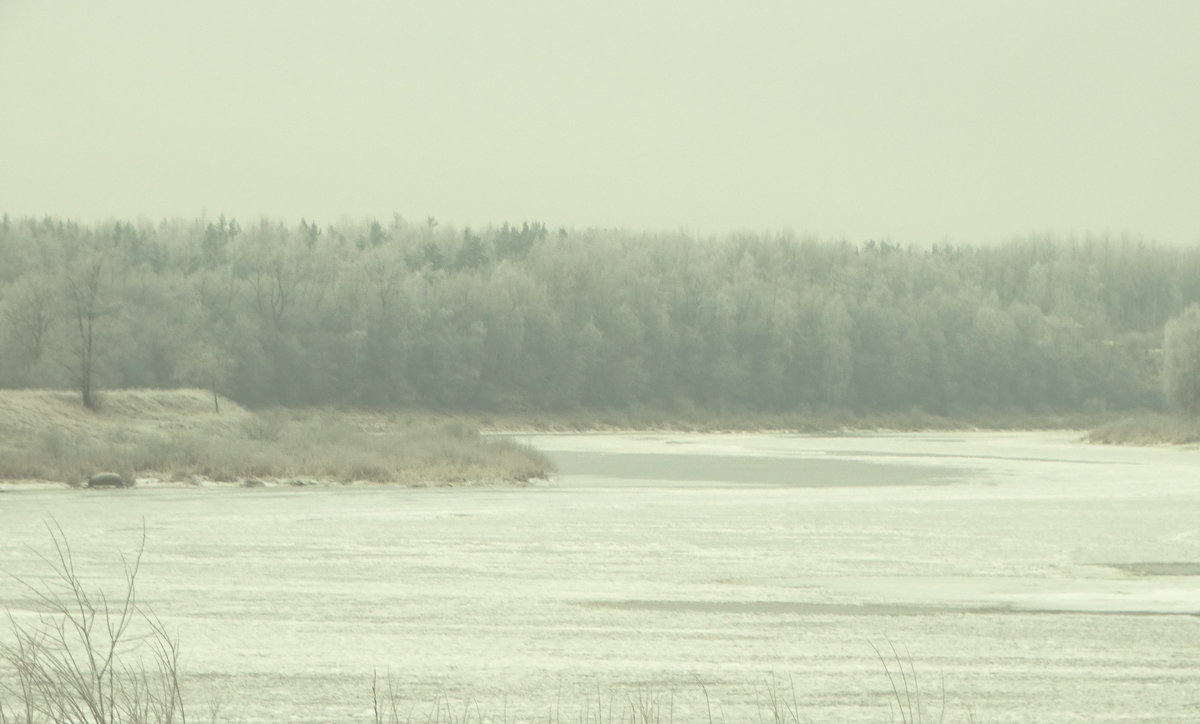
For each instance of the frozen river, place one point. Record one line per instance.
(1041, 579)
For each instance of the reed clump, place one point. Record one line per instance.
(177, 435)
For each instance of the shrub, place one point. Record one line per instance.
(88, 659)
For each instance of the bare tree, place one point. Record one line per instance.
(84, 286)
(206, 364)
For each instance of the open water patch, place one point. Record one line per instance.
(750, 470)
(803, 608)
(978, 456)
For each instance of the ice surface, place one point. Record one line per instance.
(1044, 579)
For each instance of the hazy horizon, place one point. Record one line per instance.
(910, 122)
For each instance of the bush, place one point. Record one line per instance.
(88, 659)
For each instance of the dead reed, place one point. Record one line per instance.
(169, 436)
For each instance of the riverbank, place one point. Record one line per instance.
(1148, 429)
(812, 423)
(184, 437)
(181, 437)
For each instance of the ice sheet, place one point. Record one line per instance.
(1046, 580)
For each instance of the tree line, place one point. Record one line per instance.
(519, 318)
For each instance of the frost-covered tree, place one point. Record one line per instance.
(1181, 361)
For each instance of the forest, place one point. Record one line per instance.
(364, 314)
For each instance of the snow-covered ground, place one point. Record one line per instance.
(1040, 578)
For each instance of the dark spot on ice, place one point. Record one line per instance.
(803, 608)
(785, 607)
(1159, 568)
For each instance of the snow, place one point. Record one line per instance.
(1009, 564)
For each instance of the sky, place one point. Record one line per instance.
(913, 121)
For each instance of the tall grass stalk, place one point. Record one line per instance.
(783, 706)
(909, 704)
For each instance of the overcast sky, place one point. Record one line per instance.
(914, 121)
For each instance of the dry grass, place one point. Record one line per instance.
(814, 422)
(175, 435)
(776, 702)
(1148, 429)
